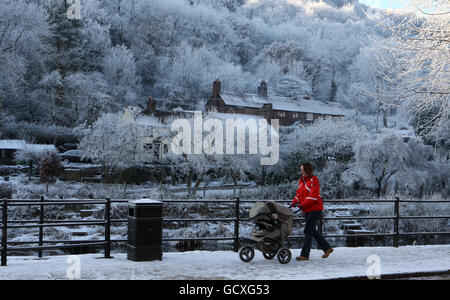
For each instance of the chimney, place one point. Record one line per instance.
(262, 90)
(151, 105)
(217, 88)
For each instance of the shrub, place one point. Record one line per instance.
(39, 133)
(6, 191)
(50, 165)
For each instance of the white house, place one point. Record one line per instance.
(157, 135)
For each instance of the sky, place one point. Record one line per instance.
(393, 4)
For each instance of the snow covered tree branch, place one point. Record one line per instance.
(113, 142)
(419, 45)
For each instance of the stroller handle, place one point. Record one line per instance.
(297, 211)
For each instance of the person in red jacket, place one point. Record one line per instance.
(309, 201)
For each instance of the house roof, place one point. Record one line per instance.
(150, 121)
(225, 116)
(159, 139)
(284, 103)
(39, 147)
(12, 144)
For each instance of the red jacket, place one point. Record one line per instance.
(308, 194)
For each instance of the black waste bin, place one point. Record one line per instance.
(144, 230)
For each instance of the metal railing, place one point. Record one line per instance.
(42, 223)
(107, 221)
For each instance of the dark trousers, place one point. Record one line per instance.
(310, 231)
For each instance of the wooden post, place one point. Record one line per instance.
(396, 221)
(108, 228)
(236, 226)
(4, 233)
(41, 229)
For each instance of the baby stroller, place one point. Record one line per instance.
(274, 224)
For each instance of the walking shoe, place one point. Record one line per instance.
(327, 253)
(302, 258)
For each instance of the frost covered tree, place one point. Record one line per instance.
(388, 158)
(193, 167)
(78, 47)
(189, 73)
(89, 96)
(113, 142)
(379, 160)
(420, 47)
(49, 85)
(286, 69)
(66, 41)
(23, 29)
(32, 155)
(325, 140)
(370, 88)
(238, 166)
(188, 162)
(49, 166)
(120, 71)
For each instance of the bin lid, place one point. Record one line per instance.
(144, 202)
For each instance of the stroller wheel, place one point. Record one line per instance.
(284, 255)
(246, 254)
(268, 255)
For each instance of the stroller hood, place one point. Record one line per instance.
(267, 208)
(260, 208)
(262, 211)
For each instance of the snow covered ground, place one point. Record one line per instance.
(343, 262)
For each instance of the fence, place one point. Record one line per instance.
(107, 221)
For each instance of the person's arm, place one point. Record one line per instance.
(313, 194)
(296, 200)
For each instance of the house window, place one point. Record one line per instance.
(309, 117)
(295, 115)
(156, 149)
(281, 114)
(166, 148)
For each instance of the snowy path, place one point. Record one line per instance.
(343, 262)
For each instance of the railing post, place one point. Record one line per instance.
(396, 221)
(4, 232)
(108, 228)
(41, 229)
(236, 226)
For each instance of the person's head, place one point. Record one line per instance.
(307, 169)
